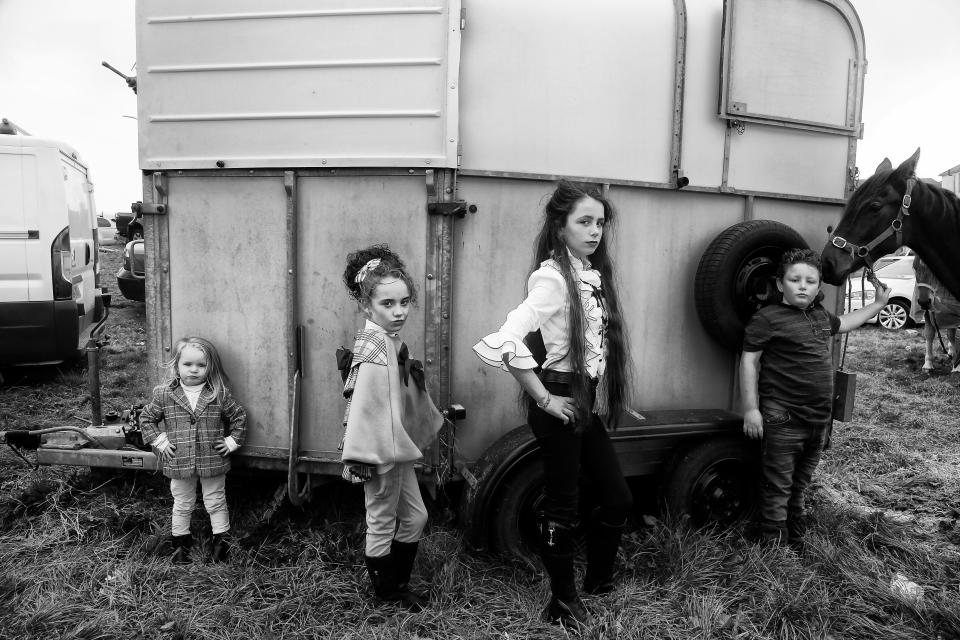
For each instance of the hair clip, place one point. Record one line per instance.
(365, 270)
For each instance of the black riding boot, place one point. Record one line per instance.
(220, 548)
(404, 554)
(383, 576)
(181, 548)
(603, 542)
(557, 553)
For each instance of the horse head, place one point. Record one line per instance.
(872, 222)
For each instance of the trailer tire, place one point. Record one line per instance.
(512, 522)
(714, 483)
(736, 275)
(513, 529)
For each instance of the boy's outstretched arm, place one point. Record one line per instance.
(750, 399)
(852, 320)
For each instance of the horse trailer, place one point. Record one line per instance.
(275, 137)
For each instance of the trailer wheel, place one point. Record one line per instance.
(513, 529)
(513, 526)
(736, 275)
(715, 482)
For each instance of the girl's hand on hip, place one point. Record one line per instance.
(562, 407)
(753, 424)
(221, 448)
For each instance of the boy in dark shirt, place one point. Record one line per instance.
(786, 382)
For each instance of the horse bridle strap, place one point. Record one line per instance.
(896, 227)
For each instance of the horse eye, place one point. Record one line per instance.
(876, 205)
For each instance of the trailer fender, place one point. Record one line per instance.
(513, 451)
(736, 273)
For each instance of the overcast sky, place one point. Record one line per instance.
(52, 84)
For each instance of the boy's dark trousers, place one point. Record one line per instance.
(790, 452)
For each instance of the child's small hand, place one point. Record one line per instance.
(753, 424)
(883, 294)
(164, 447)
(226, 446)
(357, 472)
(562, 407)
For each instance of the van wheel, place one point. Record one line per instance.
(715, 482)
(736, 276)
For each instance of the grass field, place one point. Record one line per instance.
(82, 553)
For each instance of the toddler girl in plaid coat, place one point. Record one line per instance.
(194, 424)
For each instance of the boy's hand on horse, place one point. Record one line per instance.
(753, 424)
(883, 294)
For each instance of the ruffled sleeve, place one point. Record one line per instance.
(545, 297)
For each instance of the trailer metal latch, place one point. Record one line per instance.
(455, 412)
(148, 208)
(457, 208)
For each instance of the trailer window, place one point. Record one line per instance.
(795, 63)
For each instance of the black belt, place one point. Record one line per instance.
(563, 377)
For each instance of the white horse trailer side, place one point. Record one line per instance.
(275, 137)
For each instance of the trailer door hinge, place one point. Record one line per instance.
(148, 208)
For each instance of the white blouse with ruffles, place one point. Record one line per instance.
(545, 308)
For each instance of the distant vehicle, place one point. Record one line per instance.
(106, 232)
(130, 223)
(130, 277)
(50, 295)
(897, 273)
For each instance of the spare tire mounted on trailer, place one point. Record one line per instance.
(736, 276)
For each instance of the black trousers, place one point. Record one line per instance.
(569, 452)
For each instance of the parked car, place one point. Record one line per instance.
(897, 273)
(130, 223)
(130, 277)
(106, 231)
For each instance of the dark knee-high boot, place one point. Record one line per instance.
(404, 554)
(181, 548)
(603, 542)
(383, 576)
(557, 553)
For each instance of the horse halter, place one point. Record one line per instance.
(896, 227)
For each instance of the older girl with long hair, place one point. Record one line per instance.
(576, 393)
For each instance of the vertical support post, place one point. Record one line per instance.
(441, 187)
(156, 241)
(293, 339)
(93, 379)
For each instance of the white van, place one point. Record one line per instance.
(50, 299)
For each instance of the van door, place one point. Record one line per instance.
(18, 225)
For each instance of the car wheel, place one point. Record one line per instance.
(715, 482)
(736, 276)
(894, 316)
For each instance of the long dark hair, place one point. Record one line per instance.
(550, 245)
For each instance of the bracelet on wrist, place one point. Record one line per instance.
(545, 402)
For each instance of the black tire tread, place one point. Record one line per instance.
(714, 273)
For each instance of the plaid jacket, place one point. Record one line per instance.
(193, 431)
